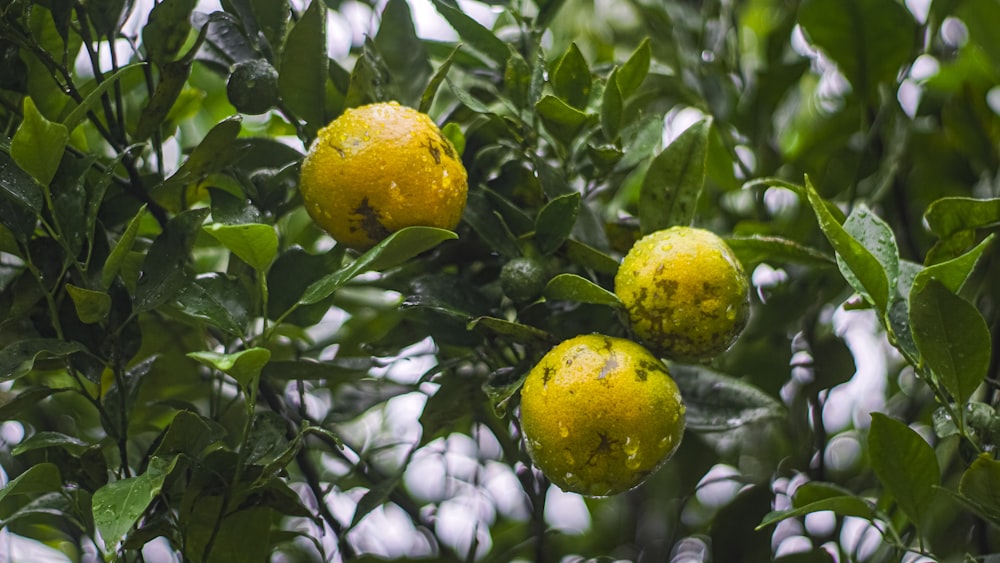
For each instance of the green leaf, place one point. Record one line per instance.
(254, 243)
(952, 338)
(875, 235)
(717, 402)
(863, 270)
(520, 333)
(189, 434)
(21, 199)
(560, 119)
(905, 464)
(303, 68)
(46, 439)
(427, 98)
(173, 77)
(754, 250)
(91, 306)
(167, 29)
(590, 257)
(404, 53)
(489, 224)
(18, 359)
(118, 505)
(121, 249)
(218, 149)
(672, 185)
(164, 271)
(953, 273)
(41, 478)
(611, 108)
(272, 17)
(571, 80)
(980, 487)
(79, 113)
(571, 287)
(949, 215)
(104, 14)
(555, 221)
(267, 439)
(26, 399)
(38, 144)
(817, 497)
(473, 33)
(244, 366)
(634, 71)
(868, 39)
(517, 80)
(218, 299)
(450, 406)
(394, 250)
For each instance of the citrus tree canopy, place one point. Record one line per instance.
(499, 280)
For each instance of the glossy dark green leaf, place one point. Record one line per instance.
(370, 78)
(521, 333)
(634, 71)
(27, 399)
(289, 277)
(517, 80)
(863, 270)
(18, 359)
(267, 438)
(673, 183)
(219, 300)
(980, 487)
(164, 271)
(334, 372)
(819, 497)
(167, 29)
(756, 249)
(590, 257)
(611, 107)
(547, 10)
(563, 121)
(868, 39)
(451, 405)
(91, 306)
(427, 98)
(188, 434)
(105, 15)
(47, 439)
(121, 249)
(571, 287)
(173, 76)
(118, 505)
(875, 235)
(394, 250)
(571, 80)
(41, 478)
(952, 338)
(467, 99)
(905, 464)
(555, 221)
(254, 243)
(953, 273)
(21, 199)
(243, 366)
(833, 362)
(717, 402)
(473, 33)
(950, 215)
(489, 224)
(404, 53)
(303, 68)
(38, 144)
(272, 19)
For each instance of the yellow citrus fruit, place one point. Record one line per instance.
(600, 414)
(686, 293)
(379, 168)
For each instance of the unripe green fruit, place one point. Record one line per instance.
(253, 86)
(523, 279)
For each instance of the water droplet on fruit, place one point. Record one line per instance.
(563, 431)
(569, 459)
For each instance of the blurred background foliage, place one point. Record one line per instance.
(191, 370)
